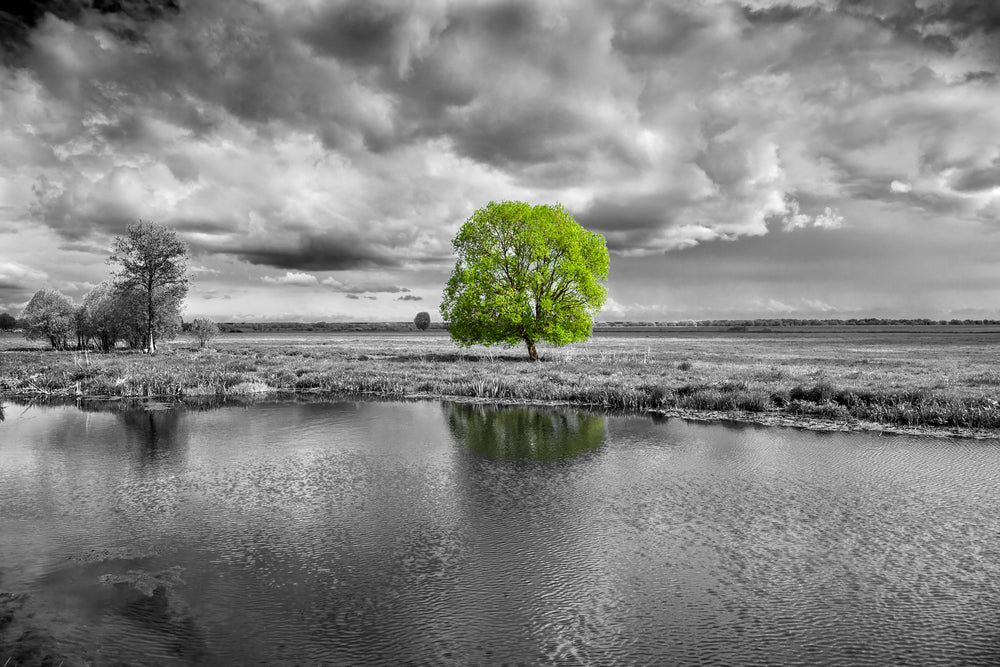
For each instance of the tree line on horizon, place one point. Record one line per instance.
(321, 326)
(9, 322)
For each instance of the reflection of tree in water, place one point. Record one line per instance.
(524, 433)
(154, 431)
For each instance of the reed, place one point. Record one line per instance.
(904, 381)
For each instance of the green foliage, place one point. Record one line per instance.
(524, 433)
(152, 269)
(524, 273)
(7, 321)
(49, 315)
(422, 320)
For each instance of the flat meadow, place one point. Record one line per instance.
(939, 378)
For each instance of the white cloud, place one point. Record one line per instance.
(829, 219)
(612, 308)
(801, 307)
(794, 218)
(14, 273)
(900, 186)
(296, 278)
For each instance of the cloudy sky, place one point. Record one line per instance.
(743, 158)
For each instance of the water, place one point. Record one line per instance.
(430, 533)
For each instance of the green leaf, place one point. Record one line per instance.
(524, 274)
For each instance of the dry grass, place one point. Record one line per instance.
(906, 376)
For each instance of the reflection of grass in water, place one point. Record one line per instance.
(524, 433)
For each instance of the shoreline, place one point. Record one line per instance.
(770, 418)
(892, 383)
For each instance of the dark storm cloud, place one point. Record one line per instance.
(362, 33)
(959, 18)
(977, 179)
(778, 13)
(655, 29)
(357, 135)
(478, 75)
(123, 17)
(313, 253)
(226, 54)
(620, 214)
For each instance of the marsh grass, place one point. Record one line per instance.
(953, 384)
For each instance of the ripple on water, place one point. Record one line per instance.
(361, 534)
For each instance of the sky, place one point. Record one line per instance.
(742, 158)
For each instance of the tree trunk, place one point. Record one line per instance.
(149, 315)
(532, 353)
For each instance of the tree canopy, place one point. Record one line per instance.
(51, 315)
(204, 329)
(524, 274)
(153, 267)
(422, 320)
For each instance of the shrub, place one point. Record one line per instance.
(821, 392)
(49, 315)
(204, 330)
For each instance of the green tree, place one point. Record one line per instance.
(153, 266)
(7, 321)
(524, 273)
(422, 320)
(49, 314)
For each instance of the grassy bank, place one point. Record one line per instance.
(940, 381)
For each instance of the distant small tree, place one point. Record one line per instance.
(422, 321)
(7, 322)
(153, 266)
(49, 315)
(204, 330)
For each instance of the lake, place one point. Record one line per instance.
(437, 533)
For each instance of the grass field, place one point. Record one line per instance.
(942, 379)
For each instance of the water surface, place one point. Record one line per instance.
(436, 533)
